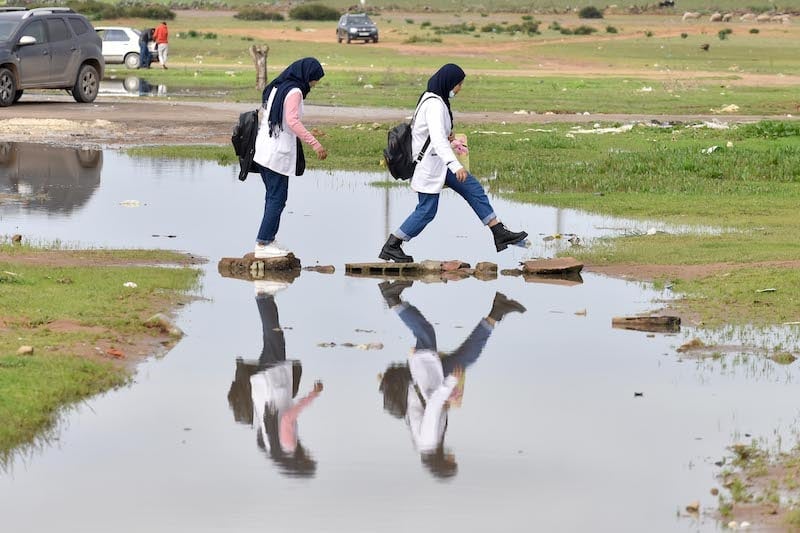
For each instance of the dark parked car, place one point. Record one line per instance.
(356, 26)
(48, 48)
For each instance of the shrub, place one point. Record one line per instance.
(723, 34)
(648, 33)
(754, 30)
(409, 21)
(251, 13)
(528, 27)
(153, 12)
(565, 31)
(426, 24)
(611, 29)
(455, 28)
(684, 35)
(555, 26)
(584, 30)
(492, 28)
(422, 39)
(210, 35)
(314, 12)
(590, 12)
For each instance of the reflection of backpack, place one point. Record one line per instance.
(244, 142)
(397, 154)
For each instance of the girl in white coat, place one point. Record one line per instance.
(439, 167)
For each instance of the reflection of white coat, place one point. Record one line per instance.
(432, 119)
(271, 389)
(428, 421)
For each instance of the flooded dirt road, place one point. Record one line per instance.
(560, 423)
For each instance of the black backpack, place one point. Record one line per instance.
(244, 142)
(397, 154)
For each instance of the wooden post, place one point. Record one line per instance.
(259, 54)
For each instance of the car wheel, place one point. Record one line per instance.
(18, 95)
(8, 87)
(87, 85)
(132, 60)
(338, 38)
(375, 40)
(348, 39)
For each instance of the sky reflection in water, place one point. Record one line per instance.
(548, 435)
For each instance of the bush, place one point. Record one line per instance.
(454, 28)
(754, 30)
(422, 39)
(611, 29)
(684, 35)
(314, 12)
(210, 35)
(590, 12)
(426, 24)
(584, 30)
(648, 33)
(251, 13)
(95, 10)
(555, 26)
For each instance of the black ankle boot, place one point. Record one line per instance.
(503, 305)
(391, 291)
(503, 236)
(391, 251)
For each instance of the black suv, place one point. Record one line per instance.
(356, 26)
(48, 48)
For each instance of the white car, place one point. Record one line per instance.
(121, 45)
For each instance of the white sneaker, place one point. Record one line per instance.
(265, 251)
(264, 286)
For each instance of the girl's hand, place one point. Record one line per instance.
(461, 174)
(322, 153)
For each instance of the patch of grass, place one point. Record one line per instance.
(103, 310)
(36, 387)
(224, 156)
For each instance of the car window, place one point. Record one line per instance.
(58, 30)
(7, 28)
(79, 26)
(35, 29)
(343, 20)
(115, 35)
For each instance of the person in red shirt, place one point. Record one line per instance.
(161, 37)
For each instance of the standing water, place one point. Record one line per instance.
(559, 423)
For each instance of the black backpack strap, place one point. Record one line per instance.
(428, 140)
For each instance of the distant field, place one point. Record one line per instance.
(632, 63)
(493, 6)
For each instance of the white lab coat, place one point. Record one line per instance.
(278, 153)
(432, 119)
(428, 421)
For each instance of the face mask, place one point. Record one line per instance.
(452, 94)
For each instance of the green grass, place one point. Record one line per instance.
(35, 388)
(103, 311)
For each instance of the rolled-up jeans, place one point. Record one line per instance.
(428, 204)
(277, 186)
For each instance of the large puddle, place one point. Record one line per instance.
(564, 424)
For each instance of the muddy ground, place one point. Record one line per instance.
(110, 123)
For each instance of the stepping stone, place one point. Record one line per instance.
(656, 324)
(249, 268)
(549, 267)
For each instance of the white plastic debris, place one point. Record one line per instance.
(521, 112)
(710, 150)
(130, 203)
(729, 144)
(130, 285)
(622, 129)
(645, 90)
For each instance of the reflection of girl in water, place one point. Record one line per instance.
(263, 394)
(422, 390)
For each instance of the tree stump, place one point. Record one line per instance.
(259, 54)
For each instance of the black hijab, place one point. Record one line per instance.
(441, 83)
(298, 74)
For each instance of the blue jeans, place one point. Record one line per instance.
(275, 200)
(470, 190)
(423, 331)
(144, 56)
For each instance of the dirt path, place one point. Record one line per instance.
(111, 123)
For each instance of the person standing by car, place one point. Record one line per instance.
(439, 167)
(161, 37)
(144, 51)
(279, 151)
